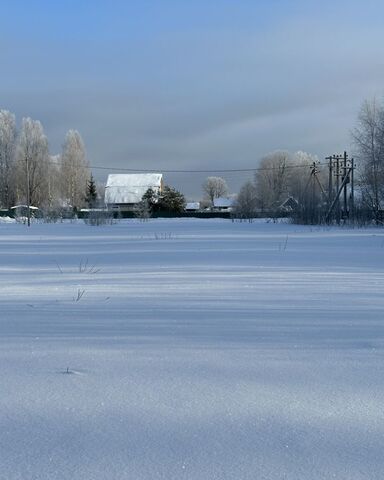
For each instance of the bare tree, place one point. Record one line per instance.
(33, 163)
(215, 187)
(245, 205)
(271, 180)
(306, 186)
(368, 137)
(54, 185)
(74, 169)
(7, 158)
(300, 168)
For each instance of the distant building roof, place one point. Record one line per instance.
(130, 188)
(289, 205)
(192, 206)
(24, 206)
(222, 202)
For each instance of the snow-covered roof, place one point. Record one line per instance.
(192, 206)
(24, 206)
(289, 204)
(222, 202)
(130, 188)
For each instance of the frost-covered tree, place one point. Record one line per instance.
(298, 175)
(368, 137)
(74, 172)
(308, 185)
(54, 186)
(215, 187)
(33, 166)
(7, 158)
(271, 180)
(245, 205)
(283, 177)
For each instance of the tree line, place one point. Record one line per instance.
(281, 185)
(29, 173)
(299, 184)
(282, 182)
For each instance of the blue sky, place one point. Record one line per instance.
(191, 85)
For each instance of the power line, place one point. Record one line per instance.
(228, 170)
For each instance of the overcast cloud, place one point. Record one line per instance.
(212, 85)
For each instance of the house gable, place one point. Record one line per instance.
(128, 189)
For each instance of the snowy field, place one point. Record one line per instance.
(191, 349)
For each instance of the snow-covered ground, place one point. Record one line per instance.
(195, 349)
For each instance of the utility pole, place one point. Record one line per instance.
(341, 167)
(345, 207)
(28, 192)
(330, 182)
(314, 181)
(352, 194)
(337, 189)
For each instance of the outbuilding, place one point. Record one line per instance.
(222, 204)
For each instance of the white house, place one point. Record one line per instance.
(124, 191)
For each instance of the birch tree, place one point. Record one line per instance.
(368, 138)
(7, 158)
(271, 180)
(74, 170)
(54, 200)
(298, 176)
(32, 163)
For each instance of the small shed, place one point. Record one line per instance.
(192, 206)
(289, 205)
(22, 210)
(222, 204)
